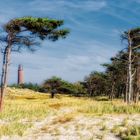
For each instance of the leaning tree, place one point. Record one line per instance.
(26, 32)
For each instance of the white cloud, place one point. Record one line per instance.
(89, 5)
(71, 66)
(46, 5)
(78, 60)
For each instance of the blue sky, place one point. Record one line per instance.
(95, 25)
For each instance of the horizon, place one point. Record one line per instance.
(95, 29)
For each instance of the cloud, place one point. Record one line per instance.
(87, 5)
(123, 11)
(76, 62)
(72, 65)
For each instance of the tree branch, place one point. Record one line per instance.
(132, 76)
(138, 46)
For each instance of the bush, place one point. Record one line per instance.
(64, 87)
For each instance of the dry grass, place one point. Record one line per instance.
(127, 132)
(13, 128)
(23, 104)
(64, 119)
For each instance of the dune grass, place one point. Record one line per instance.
(127, 132)
(23, 107)
(13, 128)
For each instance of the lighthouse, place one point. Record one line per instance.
(20, 75)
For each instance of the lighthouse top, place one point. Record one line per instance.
(20, 67)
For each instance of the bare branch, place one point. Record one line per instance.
(136, 47)
(134, 58)
(133, 73)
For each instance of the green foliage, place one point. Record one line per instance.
(63, 86)
(111, 82)
(41, 27)
(52, 83)
(134, 35)
(96, 83)
(79, 89)
(27, 31)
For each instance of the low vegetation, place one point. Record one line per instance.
(129, 132)
(24, 107)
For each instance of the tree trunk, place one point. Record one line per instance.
(6, 58)
(137, 85)
(112, 91)
(126, 90)
(130, 90)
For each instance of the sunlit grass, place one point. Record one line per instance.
(127, 132)
(13, 128)
(24, 104)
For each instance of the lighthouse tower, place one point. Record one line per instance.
(20, 75)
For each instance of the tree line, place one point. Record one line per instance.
(111, 83)
(120, 79)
